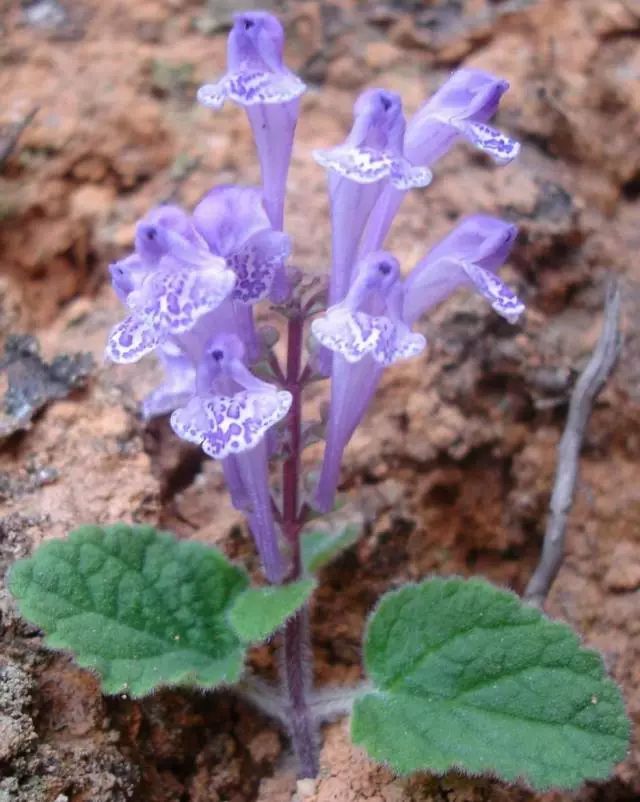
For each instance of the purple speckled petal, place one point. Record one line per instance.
(501, 297)
(130, 340)
(405, 176)
(174, 298)
(398, 342)
(190, 421)
(349, 333)
(366, 166)
(363, 165)
(238, 423)
(252, 87)
(494, 143)
(214, 95)
(256, 264)
(479, 240)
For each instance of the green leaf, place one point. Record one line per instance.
(320, 547)
(467, 676)
(259, 612)
(136, 605)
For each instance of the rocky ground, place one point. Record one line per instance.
(454, 465)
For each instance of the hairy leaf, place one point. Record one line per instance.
(465, 675)
(136, 605)
(259, 612)
(320, 547)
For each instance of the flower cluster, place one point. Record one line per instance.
(192, 283)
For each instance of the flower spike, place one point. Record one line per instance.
(259, 81)
(193, 282)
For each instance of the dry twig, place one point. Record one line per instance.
(9, 137)
(591, 381)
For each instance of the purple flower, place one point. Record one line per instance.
(192, 282)
(170, 282)
(359, 169)
(255, 70)
(229, 416)
(373, 149)
(234, 224)
(232, 409)
(257, 79)
(184, 268)
(470, 255)
(369, 319)
(372, 327)
(459, 109)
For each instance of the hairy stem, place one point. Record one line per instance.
(296, 641)
(301, 723)
(291, 468)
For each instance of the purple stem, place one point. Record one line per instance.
(296, 639)
(296, 660)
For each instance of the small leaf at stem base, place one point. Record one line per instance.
(467, 676)
(319, 547)
(258, 612)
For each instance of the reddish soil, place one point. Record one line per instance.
(454, 465)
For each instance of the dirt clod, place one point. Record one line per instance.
(32, 383)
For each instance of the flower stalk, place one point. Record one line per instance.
(194, 280)
(296, 646)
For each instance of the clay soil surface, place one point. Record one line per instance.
(452, 469)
